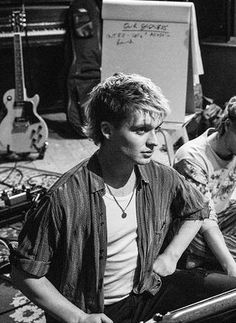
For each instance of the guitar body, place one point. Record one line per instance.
(22, 130)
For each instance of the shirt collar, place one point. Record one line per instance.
(95, 173)
(142, 173)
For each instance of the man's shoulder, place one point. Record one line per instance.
(195, 150)
(156, 169)
(78, 170)
(74, 178)
(162, 178)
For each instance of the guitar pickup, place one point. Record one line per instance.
(20, 125)
(20, 120)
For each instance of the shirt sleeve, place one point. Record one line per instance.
(188, 202)
(38, 240)
(198, 177)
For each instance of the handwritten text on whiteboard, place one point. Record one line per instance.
(131, 31)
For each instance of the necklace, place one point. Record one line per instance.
(124, 214)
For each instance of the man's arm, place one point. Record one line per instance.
(41, 292)
(216, 243)
(209, 229)
(166, 262)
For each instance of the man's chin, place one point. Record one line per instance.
(144, 161)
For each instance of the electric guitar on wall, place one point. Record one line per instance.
(22, 130)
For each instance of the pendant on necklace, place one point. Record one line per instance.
(124, 215)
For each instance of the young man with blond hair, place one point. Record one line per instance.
(93, 250)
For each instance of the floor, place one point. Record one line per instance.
(65, 149)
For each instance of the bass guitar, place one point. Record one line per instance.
(22, 130)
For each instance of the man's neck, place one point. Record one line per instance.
(118, 175)
(220, 146)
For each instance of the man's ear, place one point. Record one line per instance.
(106, 129)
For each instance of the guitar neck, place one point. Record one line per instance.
(19, 69)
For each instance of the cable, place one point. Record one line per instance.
(15, 308)
(12, 169)
(8, 175)
(4, 169)
(40, 175)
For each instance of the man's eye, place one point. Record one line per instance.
(140, 131)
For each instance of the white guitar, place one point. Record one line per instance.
(22, 130)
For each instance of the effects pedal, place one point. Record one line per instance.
(15, 202)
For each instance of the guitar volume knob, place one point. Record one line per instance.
(39, 137)
(32, 133)
(39, 128)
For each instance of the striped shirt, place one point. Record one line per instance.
(64, 238)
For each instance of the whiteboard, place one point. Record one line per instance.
(154, 43)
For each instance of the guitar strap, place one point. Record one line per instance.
(85, 46)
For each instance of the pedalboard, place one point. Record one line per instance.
(15, 202)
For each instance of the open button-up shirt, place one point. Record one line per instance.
(65, 237)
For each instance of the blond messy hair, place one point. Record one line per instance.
(117, 98)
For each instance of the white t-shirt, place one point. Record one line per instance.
(122, 251)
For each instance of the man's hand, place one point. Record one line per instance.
(44, 294)
(95, 318)
(231, 271)
(164, 265)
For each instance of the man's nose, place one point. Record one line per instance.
(152, 138)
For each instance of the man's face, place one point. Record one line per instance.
(136, 139)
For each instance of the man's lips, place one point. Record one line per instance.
(149, 152)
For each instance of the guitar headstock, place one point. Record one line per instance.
(18, 21)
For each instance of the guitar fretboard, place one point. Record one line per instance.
(19, 68)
